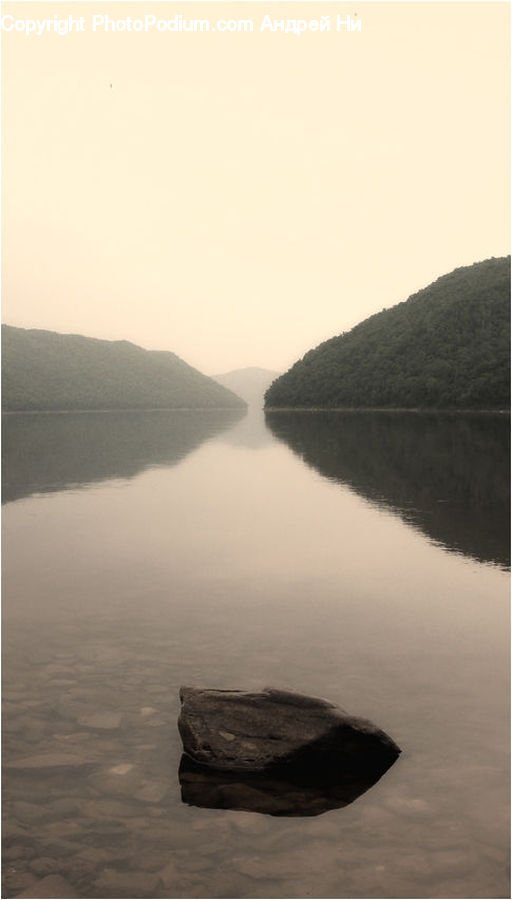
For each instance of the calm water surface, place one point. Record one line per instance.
(359, 557)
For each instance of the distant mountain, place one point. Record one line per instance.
(43, 370)
(250, 383)
(446, 347)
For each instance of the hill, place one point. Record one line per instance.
(43, 370)
(250, 383)
(445, 347)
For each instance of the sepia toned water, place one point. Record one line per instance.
(360, 557)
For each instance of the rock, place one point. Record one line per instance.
(16, 852)
(56, 847)
(34, 730)
(29, 811)
(126, 884)
(53, 886)
(151, 792)
(50, 761)
(410, 807)
(65, 808)
(244, 822)
(169, 875)
(12, 833)
(93, 855)
(121, 769)
(106, 808)
(306, 740)
(152, 860)
(105, 719)
(14, 881)
(14, 696)
(118, 785)
(286, 864)
(44, 865)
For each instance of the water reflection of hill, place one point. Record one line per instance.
(448, 474)
(55, 452)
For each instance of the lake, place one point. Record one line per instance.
(361, 557)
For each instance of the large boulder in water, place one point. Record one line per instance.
(282, 735)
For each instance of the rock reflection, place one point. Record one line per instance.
(270, 794)
(44, 452)
(445, 473)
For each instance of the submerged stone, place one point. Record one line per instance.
(298, 755)
(51, 760)
(104, 719)
(53, 886)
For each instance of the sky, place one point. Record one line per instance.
(237, 198)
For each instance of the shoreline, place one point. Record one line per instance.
(388, 409)
(273, 409)
(131, 409)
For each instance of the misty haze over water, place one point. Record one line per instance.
(359, 557)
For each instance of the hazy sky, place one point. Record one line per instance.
(238, 198)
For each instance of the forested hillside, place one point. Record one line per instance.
(445, 347)
(43, 370)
